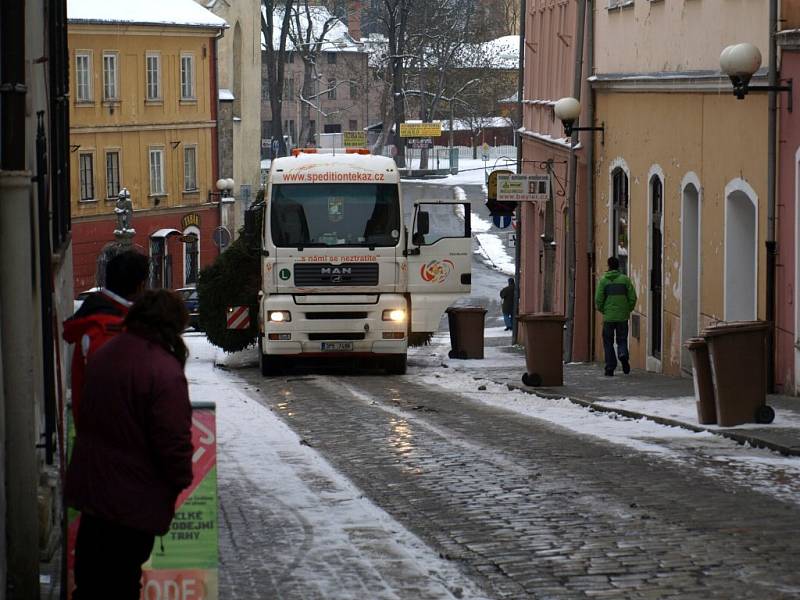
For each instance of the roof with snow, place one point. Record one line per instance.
(501, 53)
(183, 13)
(336, 37)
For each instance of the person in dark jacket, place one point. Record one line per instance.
(507, 296)
(616, 299)
(100, 316)
(133, 451)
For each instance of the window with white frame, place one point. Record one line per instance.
(153, 68)
(110, 76)
(112, 173)
(83, 76)
(190, 168)
(156, 171)
(187, 76)
(191, 256)
(86, 175)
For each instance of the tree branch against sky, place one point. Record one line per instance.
(275, 58)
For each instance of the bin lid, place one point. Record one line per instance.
(734, 327)
(541, 317)
(465, 309)
(694, 343)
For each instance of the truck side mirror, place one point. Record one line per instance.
(423, 223)
(252, 225)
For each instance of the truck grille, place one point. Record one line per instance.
(313, 316)
(347, 274)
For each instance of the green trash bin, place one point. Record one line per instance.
(544, 341)
(738, 357)
(466, 331)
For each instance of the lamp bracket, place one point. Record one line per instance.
(773, 88)
(602, 129)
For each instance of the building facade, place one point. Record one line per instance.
(239, 62)
(549, 71)
(681, 178)
(143, 117)
(35, 287)
(787, 343)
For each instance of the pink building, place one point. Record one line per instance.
(787, 313)
(550, 62)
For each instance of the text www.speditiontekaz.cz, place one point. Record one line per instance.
(333, 177)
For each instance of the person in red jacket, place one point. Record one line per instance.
(133, 451)
(100, 316)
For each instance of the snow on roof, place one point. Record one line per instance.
(186, 13)
(502, 53)
(337, 37)
(479, 123)
(225, 94)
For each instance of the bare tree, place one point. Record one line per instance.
(275, 60)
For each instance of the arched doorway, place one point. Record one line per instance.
(741, 251)
(690, 265)
(620, 241)
(656, 245)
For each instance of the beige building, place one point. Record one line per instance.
(238, 71)
(681, 177)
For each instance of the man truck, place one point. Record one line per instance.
(348, 269)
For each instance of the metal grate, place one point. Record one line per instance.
(347, 274)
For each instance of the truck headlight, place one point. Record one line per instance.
(279, 316)
(394, 314)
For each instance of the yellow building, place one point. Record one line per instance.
(143, 117)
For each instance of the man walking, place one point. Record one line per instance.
(615, 298)
(507, 296)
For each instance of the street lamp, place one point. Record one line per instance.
(567, 111)
(740, 62)
(224, 187)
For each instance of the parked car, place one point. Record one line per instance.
(192, 301)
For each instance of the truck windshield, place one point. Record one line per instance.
(336, 214)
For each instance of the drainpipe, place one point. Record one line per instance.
(771, 244)
(590, 266)
(577, 82)
(520, 90)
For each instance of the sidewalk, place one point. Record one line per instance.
(661, 398)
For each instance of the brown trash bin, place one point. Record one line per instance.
(738, 357)
(544, 341)
(466, 331)
(703, 382)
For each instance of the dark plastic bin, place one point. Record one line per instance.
(544, 341)
(738, 357)
(466, 331)
(703, 382)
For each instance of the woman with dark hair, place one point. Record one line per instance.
(133, 450)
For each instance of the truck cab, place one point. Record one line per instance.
(347, 268)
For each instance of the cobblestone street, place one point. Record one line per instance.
(523, 508)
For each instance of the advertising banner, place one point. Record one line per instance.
(420, 143)
(523, 188)
(354, 139)
(184, 562)
(420, 130)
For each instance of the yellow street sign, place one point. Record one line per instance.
(420, 129)
(354, 139)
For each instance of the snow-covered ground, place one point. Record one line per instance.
(252, 439)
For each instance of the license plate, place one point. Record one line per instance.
(337, 346)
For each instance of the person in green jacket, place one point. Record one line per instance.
(615, 298)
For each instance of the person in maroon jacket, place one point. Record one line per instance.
(133, 451)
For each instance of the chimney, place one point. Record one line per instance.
(354, 10)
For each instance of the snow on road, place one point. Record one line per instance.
(252, 440)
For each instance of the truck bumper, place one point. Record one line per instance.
(340, 329)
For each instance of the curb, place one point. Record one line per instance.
(741, 438)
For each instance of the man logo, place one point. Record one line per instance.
(332, 271)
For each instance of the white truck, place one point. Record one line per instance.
(347, 269)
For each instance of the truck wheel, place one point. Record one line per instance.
(270, 365)
(396, 364)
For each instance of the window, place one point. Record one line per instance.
(190, 168)
(331, 89)
(288, 89)
(440, 225)
(353, 90)
(153, 62)
(187, 77)
(352, 125)
(331, 58)
(86, 175)
(110, 77)
(620, 219)
(83, 77)
(112, 174)
(156, 171)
